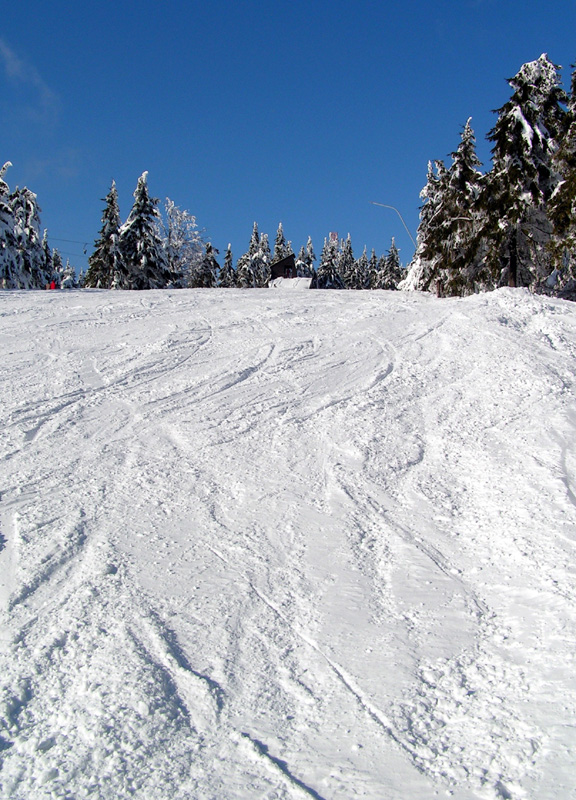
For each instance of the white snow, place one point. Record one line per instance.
(287, 545)
(291, 283)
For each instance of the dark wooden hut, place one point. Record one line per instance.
(285, 268)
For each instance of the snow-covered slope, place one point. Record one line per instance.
(262, 544)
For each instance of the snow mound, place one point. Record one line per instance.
(291, 283)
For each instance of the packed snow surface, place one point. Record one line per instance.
(261, 544)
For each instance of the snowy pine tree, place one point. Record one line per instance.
(359, 278)
(9, 278)
(57, 268)
(262, 261)
(103, 263)
(373, 270)
(281, 246)
(328, 276)
(391, 272)
(562, 205)
(422, 269)
(143, 256)
(346, 262)
(245, 276)
(523, 177)
(227, 273)
(182, 242)
(452, 241)
(68, 277)
(207, 273)
(305, 260)
(31, 272)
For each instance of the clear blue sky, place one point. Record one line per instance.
(300, 111)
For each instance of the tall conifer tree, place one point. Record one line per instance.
(523, 178)
(102, 264)
(227, 274)
(328, 276)
(562, 205)
(143, 256)
(8, 255)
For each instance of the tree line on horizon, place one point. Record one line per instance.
(151, 250)
(514, 225)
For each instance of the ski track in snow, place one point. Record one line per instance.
(306, 545)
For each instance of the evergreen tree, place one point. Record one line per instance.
(206, 275)
(391, 269)
(57, 268)
(373, 270)
(47, 255)
(453, 241)
(310, 255)
(103, 263)
(562, 205)
(328, 276)
(281, 248)
(360, 278)
(423, 267)
(143, 256)
(245, 277)
(301, 266)
(68, 278)
(8, 254)
(30, 264)
(347, 263)
(305, 261)
(261, 261)
(227, 274)
(182, 243)
(523, 179)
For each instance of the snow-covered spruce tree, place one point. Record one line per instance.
(373, 271)
(422, 269)
(206, 274)
(447, 258)
(359, 278)
(282, 248)
(261, 261)
(523, 177)
(453, 242)
(31, 270)
(346, 262)
(182, 242)
(227, 273)
(328, 276)
(8, 253)
(301, 266)
(47, 254)
(68, 277)
(391, 272)
(562, 206)
(142, 251)
(305, 260)
(245, 277)
(102, 264)
(57, 268)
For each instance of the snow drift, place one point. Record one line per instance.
(287, 545)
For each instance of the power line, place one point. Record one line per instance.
(71, 241)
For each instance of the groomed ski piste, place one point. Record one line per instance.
(265, 544)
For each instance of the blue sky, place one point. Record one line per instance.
(300, 112)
